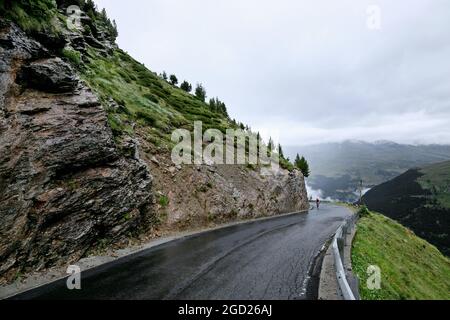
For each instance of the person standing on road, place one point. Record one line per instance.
(317, 202)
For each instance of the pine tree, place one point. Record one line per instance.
(270, 144)
(223, 109)
(186, 86)
(173, 80)
(306, 171)
(200, 92)
(114, 30)
(218, 106)
(103, 15)
(258, 139)
(164, 75)
(270, 147)
(302, 165)
(90, 4)
(297, 161)
(280, 151)
(213, 104)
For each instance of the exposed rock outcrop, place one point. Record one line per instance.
(64, 183)
(196, 196)
(49, 75)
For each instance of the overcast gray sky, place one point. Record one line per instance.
(311, 71)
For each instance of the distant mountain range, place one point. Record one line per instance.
(337, 168)
(420, 200)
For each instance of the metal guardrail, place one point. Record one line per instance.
(338, 244)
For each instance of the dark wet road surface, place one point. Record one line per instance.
(266, 259)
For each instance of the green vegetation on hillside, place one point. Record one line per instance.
(436, 179)
(31, 16)
(143, 97)
(155, 105)
(43, 16)
(411, 268)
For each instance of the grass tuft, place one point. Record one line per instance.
(73, 56)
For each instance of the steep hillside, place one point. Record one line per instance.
(410, 267)
(85, 138)
(418, 199)
(337, 168)
(436, 179)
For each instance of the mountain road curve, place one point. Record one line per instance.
(262, 259)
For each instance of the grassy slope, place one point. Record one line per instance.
(436, 179)
(145, 98)
(411, 268)
(156, 106)
(37, 15)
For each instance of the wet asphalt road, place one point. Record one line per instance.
(267, 259)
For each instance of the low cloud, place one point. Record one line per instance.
(313, 193)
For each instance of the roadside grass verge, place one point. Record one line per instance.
(411, 268)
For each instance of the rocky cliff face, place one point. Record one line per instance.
(195, 196)
(67, 184)
(64, 184)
